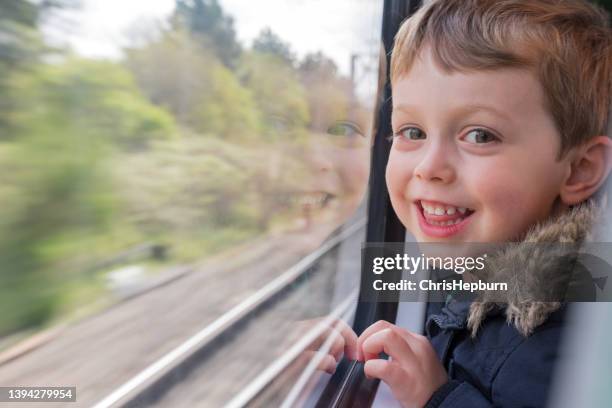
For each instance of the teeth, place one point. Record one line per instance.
(449, 210)
(445, 223)
(429, 210)
(439, 210)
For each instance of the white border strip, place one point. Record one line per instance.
(228, 319)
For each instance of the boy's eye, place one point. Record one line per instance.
(345, 128)
(480, 136)
(411, 133)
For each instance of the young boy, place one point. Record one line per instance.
(500, 113)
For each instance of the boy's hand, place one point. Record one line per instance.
(413, 373)
(343, 341)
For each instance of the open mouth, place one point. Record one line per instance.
(317, 200)
(440, 219)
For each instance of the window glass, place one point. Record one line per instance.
(182, 186)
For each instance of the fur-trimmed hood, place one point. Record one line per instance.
(529, 269)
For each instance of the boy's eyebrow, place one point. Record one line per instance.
(475, 108)
(463, 110)
(405, 108)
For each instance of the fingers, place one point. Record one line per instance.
(325, 363)
(339, 338)
(395, 337)
(350, 339)
(388, 371)
(374, 328)
(328, 364)
(392, 343)
(334, 341)
(337, 344)
(344, 340)
(419, 344)
(413, 373)
(318, 341)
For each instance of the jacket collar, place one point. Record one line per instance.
(526, 269)
(529, 270)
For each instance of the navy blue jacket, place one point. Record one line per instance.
(500, 367)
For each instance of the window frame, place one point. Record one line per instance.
(349, 387)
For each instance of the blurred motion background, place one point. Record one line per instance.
(183, 144)
(143, 140)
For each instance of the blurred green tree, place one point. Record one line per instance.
(69, 117)
(102, 98)
(21, 44)
(267, 42)
(329, 95)
(190, 82)
(210, 27)
(57, 199)
(200, 184)
(278, 93)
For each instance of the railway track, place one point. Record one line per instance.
(194, 358)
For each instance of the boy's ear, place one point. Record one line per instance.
(590, 165)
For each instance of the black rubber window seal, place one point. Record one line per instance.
(349, 387)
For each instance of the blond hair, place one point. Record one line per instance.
(567, 44)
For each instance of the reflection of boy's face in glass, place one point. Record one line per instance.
(474, 156)
(338, 162)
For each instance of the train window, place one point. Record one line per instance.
(182, 187)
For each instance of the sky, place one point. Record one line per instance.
(337, 27)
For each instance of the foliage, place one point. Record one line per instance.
(63, 199)
(69, 118)
(229, 110)
(280, 96)
(329, 95)
(56, 194)
(191, 83)
(269, 43)
(187, 141)
(102, 100)
(21, 44)
(210, 27)
(190, 189)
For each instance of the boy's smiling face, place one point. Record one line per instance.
(474, 157)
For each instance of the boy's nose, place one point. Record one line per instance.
(320, 160)
(436, 165)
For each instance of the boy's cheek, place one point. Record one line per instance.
(398, 172)
(397, 179)
(508, 209)
(390, 177)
